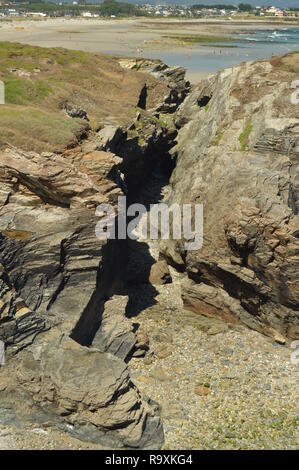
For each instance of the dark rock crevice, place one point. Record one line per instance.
(203, 101)
(142, 98)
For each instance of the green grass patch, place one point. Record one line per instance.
(140, 124)
(244, 136)
(24, 91)
(36, 129)
(219, 137)
(159, 121)
(199, 38)
(222, 46)
(141, 142)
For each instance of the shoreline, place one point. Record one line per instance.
(144, 21)
(149, 38)
(147, 19)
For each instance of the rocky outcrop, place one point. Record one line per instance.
(237, 154)
(63, 292)
(62, 298)
(173, 77)
(18, 324)
(116, 334)
(62, 302)
(145, 143)
(55, 277)
(144, 146)
(81, 390)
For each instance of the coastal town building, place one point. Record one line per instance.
(73, 8)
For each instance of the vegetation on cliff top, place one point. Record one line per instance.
(41, 82)
(288, 63)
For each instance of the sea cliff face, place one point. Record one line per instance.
(237, 154)
(66, 342)
(231, 143)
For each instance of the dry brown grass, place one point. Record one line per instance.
(284, 69)
(288, 63)
(39, 81)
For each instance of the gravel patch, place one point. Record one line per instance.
(218, 386)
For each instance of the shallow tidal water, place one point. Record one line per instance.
(249, 46)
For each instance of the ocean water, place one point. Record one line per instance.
(284, 38)
(250, 46)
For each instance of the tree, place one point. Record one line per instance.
(245, 7)
(112, 7)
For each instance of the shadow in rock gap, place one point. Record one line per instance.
(141, 293)
(110, 280)
(125, 267)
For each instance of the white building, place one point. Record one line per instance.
(37, 14)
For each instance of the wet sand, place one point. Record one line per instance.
(98, 35)
(195, 77)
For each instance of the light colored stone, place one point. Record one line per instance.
(159, 273)
(202, 391)
(159, 374)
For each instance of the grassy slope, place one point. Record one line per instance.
(33, 118)
(289, 62)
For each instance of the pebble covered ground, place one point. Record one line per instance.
(31, 438)
(219, 387)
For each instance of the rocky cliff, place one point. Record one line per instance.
(237, 154)
(230, 143)
(62, 319)
(55, 278)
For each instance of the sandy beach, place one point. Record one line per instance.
(98, 35)
(141, 38)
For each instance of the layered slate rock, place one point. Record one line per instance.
(62, 303)
(238, 154)
(173, 77)
(116, 334)
(48, 243)
(55, 276)
(80, 390)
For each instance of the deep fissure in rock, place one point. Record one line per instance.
(112, 275)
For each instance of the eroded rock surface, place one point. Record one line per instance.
(238, 152)
(62, 303)
(55, 277)
(116, 334)
(86, 390)
(63, 292)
